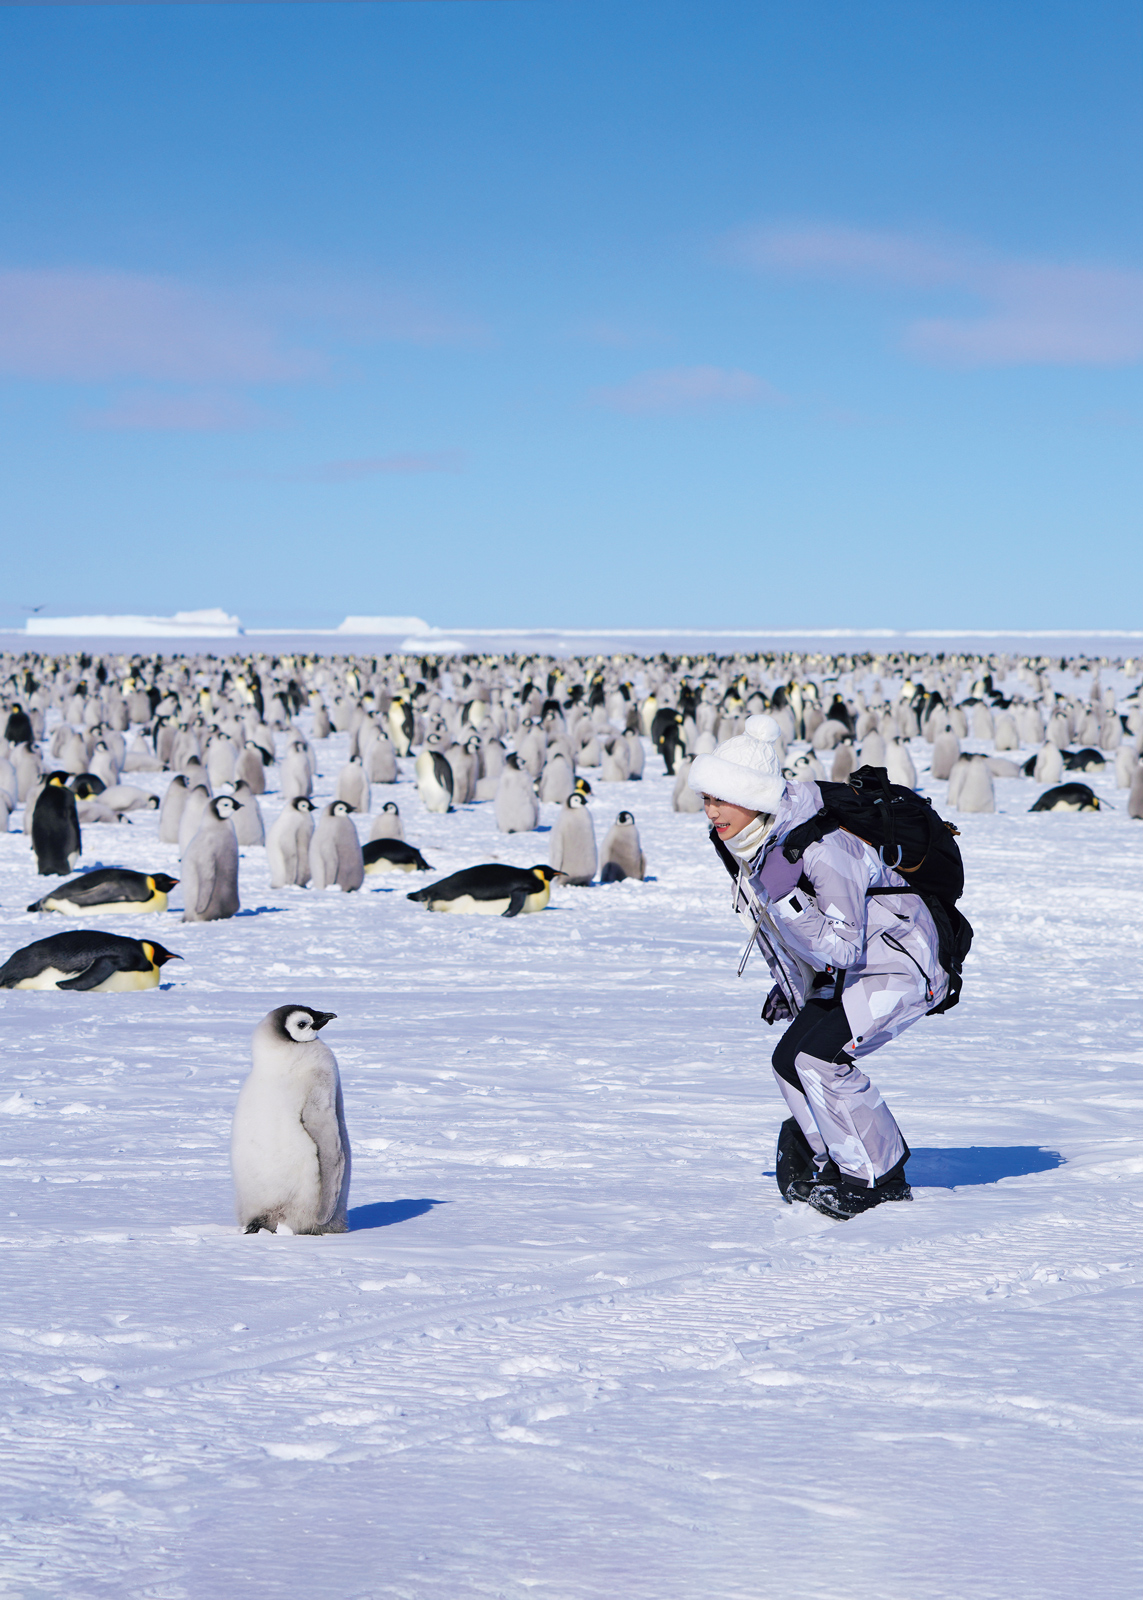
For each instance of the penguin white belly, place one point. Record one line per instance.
(121, 982)
(47, 979)
(275, 1162)
(465, 905)
(111, 908)
(381, 865)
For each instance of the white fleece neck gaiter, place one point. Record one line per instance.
(746, 845)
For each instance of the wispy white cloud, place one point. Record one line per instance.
(1028, 311)
(93, 325)
(677, 389)
(153, 411)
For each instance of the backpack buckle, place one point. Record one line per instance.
(892, 865)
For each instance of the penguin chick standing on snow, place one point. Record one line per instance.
(171, 811)
(210, 865)
(249, 829)
(335, 851)
(387, 823)
(55, 828)
(353, 785)
(289, 1148)
(288, 843)
(573, 851)
(516, 807)
(622, 853)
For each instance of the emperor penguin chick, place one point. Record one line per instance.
(387, 823)
(210, 865)
(171, 811)
(288, 843)
(289, 1148)
(248, 825)
(622, 853)
(193, 812)
(573, 850)
(335, 851)
(353, 785)
(517, 809)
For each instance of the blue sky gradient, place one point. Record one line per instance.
(528, 312)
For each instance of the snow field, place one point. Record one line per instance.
(575, 1346)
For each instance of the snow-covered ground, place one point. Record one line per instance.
(575, 1346)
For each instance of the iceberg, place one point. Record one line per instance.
(213, 623)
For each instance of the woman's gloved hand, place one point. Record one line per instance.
(777, 1007)
(779, 876)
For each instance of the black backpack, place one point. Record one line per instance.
(910, 837)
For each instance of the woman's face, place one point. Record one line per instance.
(726, 819)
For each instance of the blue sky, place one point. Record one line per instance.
(529, 312)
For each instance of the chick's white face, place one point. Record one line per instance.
(300, 1027)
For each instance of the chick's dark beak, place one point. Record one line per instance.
(322, 1017)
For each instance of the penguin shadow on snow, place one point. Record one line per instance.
(383, 1213)
(259, 911)
(967, 1166)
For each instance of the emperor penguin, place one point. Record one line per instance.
(210, 865)
(249, 829)
(86, 961)
(171, 810)
(250, 769)
(434, 781)
(193, 812)
(297, 774)
(55, 828)
(557, 779)
(844, 760)
(289, 1148)
(616, 760)
(622, 855)
(401, 726)
(1069, 797)
(353, 786)
(393, 855)
(489, 890)
(387, 823)
(221, 761)
(126, 797)
(683, 797)
(636, 756)
(573, 850)
(516, 807)
(321, 722)
(976, 791)
(946, 751)
(109, 890)
(1135, 794)
(1049, 764)
(288, 843)
(336, 859)
(381, 761)
(1126, 762)
(899, 764)
(873, 750)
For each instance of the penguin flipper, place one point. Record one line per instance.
(516, 902)
(205, 881)
(102, 968)
(320, 1121)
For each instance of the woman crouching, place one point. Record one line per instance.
(850, 972)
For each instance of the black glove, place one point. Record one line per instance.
(777, 1007)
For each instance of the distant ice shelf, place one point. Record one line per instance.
(213, 623)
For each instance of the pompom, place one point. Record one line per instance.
(763, 728)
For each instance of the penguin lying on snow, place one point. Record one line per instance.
(109, 889)
(98, 963)
(490, 890)
(393, 855)
(1067, 797)
(289, 1149)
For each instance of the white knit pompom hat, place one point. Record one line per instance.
(745, 770)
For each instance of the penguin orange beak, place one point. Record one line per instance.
(322, 1017)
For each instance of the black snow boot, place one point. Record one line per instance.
(794, 1165)
(842, 1200)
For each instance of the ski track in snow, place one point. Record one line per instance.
(575, 1345)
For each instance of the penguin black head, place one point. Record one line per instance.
(225, 806)
(155, 953)
(340, 808)
(164, 884)
(300, 1024)
(512, 761)
(576, 800)
(57, 779)
(391, 806)
(547, 873)
(625, 816)
(301, 803)
(582, 786)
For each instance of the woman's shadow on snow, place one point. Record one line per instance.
(383, 1213)
(956, 1167)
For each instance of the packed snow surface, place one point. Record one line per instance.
(574, 1345)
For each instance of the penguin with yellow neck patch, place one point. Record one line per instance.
(55, 828)
(86, 961)
(490, 890)
(112, 889)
